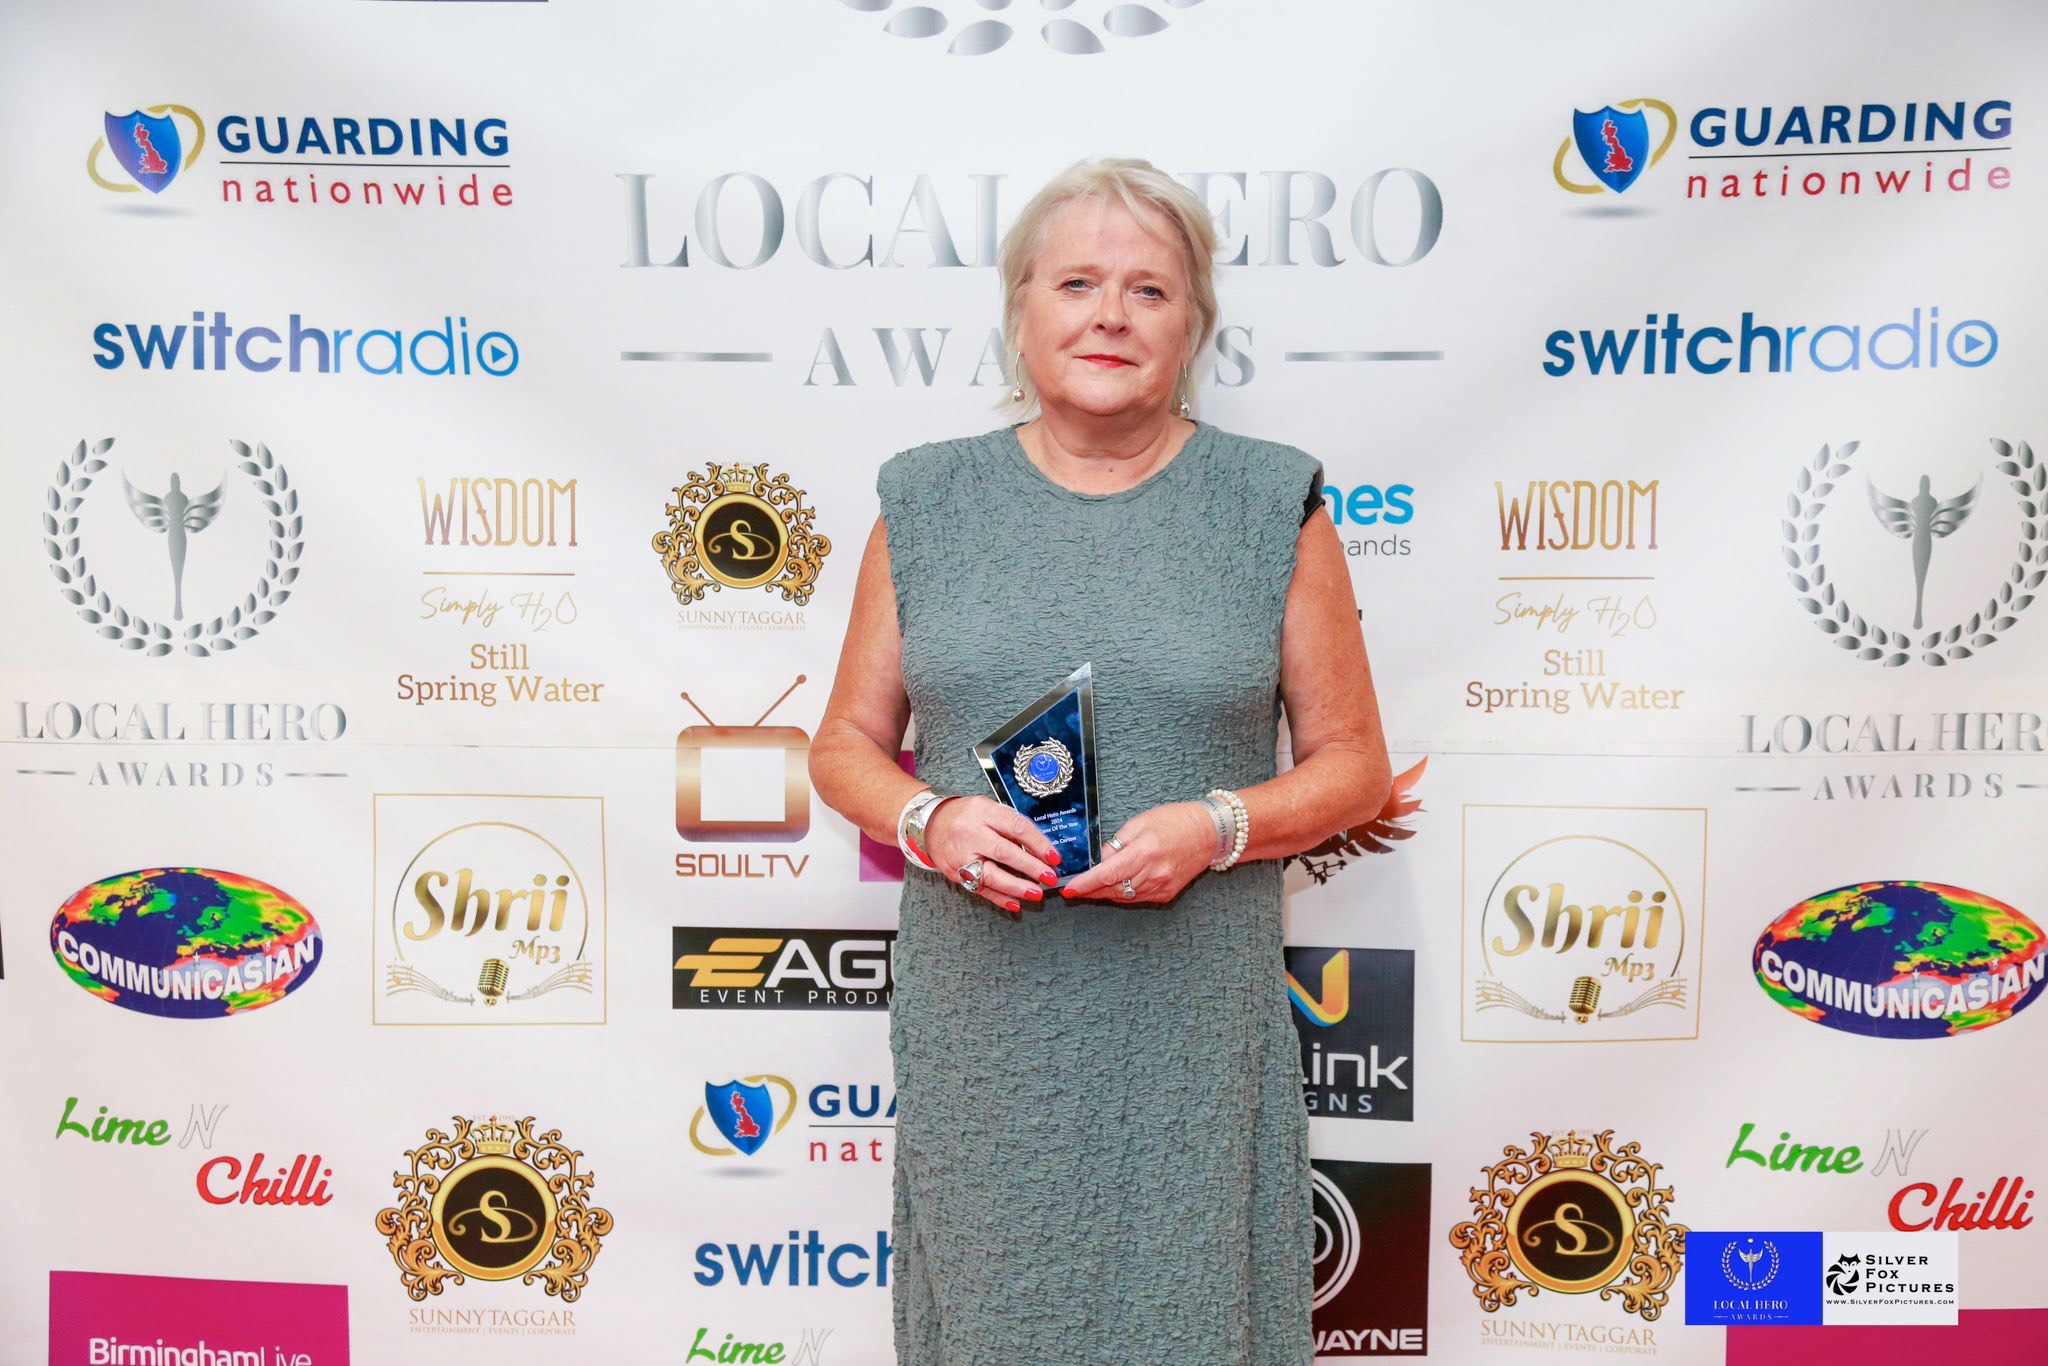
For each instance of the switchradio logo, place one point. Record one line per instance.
(216, 344)
(1832, 348)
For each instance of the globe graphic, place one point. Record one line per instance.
(1967, 961)
(185, 943)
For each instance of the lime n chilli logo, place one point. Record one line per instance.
(1065, 28)
(149, 145)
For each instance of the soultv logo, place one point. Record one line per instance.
(217, 344)
(291, 159)
(1664, 345)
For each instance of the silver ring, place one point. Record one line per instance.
(1115, 843)
(1127, 889)
(970, 874)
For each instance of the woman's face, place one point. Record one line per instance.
(1103, 322)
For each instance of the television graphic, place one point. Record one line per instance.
(743, 784)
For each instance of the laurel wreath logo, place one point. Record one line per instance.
(132, 631)
(1074, 37)
(1872, 641)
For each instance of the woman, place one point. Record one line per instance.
(1102, 1153)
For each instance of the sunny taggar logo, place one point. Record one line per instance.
(494, 1201)
(1574, 1216)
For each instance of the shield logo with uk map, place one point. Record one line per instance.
(147, 146)
(744, 1114)
(1614, 145)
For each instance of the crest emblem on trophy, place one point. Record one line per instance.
(1922, 519)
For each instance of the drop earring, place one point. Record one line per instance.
(1184, 408)
(1017, 392)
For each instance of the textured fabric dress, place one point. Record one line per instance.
(1102, 1150)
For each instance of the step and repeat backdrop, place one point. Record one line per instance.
(440, 442)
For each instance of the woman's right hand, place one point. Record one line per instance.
(1017, 859)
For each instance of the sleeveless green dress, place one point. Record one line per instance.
(1102, 1151)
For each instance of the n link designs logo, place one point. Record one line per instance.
(1069, 33)
(149, 146)
(1614, 144)
(495, 1202)
(1923, 521)
(734, 527)
(1575, 1216)
(180, 518)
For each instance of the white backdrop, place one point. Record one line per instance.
(617, 119)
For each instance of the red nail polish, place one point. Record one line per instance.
(1053, 857)
(1047, 878)
(1067, 892)
(1035, 894)
(1012, 906)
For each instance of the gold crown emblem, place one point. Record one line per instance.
(1571, 1151)
(494, 1139)
(741, 478)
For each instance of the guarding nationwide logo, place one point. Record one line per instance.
(1969, 619)
(1357, 1030)
(734, 527)
(490, 909)
(1614, 145)
(1575, 1216)
(180, 517)
(494, 1201)
(1583, 923)
(1371, 1258)
(185, 943)
(745, 1112)
(149, 145)
(1902, 960)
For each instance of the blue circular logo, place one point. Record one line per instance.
(1044, 767)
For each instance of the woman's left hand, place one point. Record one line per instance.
(1163, 851)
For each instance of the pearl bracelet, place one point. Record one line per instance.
(1242, 835)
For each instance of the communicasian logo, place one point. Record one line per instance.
(185, 943)
(148, 145)
(1574, 1216)
(1613, 143)
(735, 527)
(494, 1201)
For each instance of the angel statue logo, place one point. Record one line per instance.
(177, 516)
(1857, 613)
(1921, 519)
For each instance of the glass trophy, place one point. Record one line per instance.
(1042, 764)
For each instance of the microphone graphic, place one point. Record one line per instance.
(490, 983)
(1585, 998)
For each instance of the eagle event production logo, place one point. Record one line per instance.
(1971, 618)
(1582, 923)
(1902, 960)
(1357, 1030)
(1574, 1216)
(1371, 1258)
(494, 1201)
(490, 909)
(267, 512)
(185, 943)
(734, 527)
(756, 969)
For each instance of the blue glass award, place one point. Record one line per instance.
(1042, 764)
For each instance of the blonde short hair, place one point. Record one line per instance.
(1138, 186)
